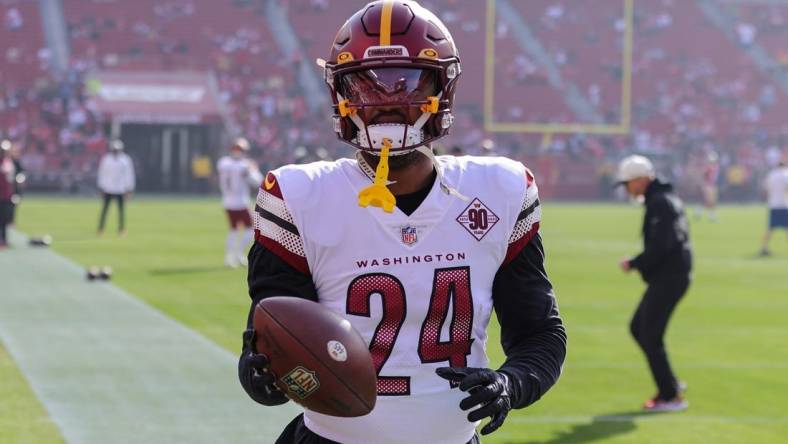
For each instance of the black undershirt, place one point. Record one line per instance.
(408, 203)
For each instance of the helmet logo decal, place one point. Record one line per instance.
(429, 53)
(344, 57)
(386, 51)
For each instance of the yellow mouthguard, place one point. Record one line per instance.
(378, 194)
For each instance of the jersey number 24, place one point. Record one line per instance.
(448, 285)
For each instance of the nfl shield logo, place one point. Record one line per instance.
(409, 235)
(301, 382)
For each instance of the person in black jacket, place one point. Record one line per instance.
(665, 265)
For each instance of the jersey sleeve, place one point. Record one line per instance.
(528, 219)
(275, 228)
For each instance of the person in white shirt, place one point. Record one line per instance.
(115, 182)
(237, 176)
(776, 187)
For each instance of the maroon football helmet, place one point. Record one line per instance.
(392, 73)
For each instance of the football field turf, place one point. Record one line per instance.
(727, 339)
(108, 367)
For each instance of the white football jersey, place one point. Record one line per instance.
(236, 178)
(776, 185)
(417, 288)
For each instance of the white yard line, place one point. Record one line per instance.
(111, 369)
(680, 366)
(654, 417)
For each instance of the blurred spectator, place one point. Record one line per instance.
(709, 179)
(14, 20)
(7, 181)
(747, 33)
(776, 187)
(19, 180)
(115, 182)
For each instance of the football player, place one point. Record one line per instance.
(416, 251)
(7, 175)
(237, 174)
(709, 190)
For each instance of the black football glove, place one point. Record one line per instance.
(488, 389)
(255, 378)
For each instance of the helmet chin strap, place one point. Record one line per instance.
(439, 172)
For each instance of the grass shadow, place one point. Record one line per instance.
(601, 427)
(186, 270)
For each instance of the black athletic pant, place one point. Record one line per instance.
(648, 328)
(12, 217)
(297, 433)
(5, 218)
(121, 217)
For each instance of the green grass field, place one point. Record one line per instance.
(727, 339)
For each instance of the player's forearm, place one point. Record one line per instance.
(532, 333)
(534, 365)
(271, 276)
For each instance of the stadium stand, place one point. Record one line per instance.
(691, 97)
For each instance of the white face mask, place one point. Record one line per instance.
(393, 132)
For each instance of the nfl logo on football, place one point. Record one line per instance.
(409, 235)
(301, 382)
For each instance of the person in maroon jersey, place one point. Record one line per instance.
(709, 189)
(7, 188)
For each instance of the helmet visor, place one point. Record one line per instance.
(389, 85)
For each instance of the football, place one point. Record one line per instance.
(319, 360)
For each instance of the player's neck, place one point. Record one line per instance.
(412, 178)
(409, 178)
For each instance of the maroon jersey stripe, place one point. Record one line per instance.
(292, 259)
(517, 246)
